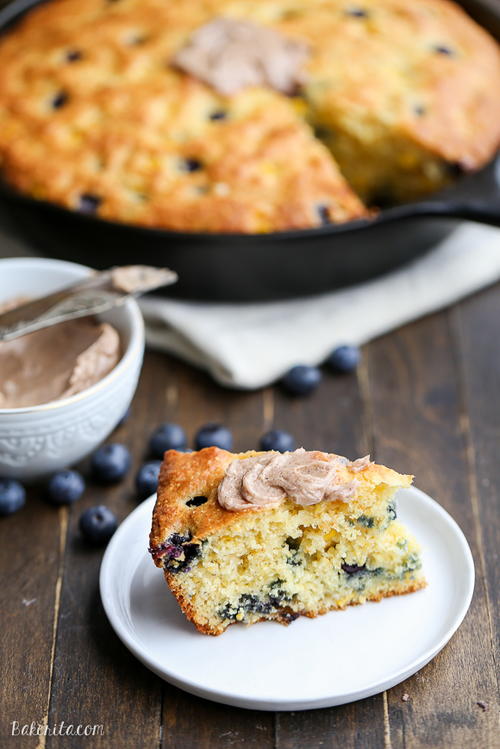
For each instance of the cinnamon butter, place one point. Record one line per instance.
(304, 477)
(56, 362)
(230, 54)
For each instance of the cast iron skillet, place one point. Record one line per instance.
(264, 266)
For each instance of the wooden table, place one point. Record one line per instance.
(426, 401)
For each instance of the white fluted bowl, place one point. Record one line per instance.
(36, 441)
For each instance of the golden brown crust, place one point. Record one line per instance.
(187, 475)
(117, 123)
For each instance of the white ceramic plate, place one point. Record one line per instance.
(337, 658)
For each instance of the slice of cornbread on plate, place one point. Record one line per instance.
(254, 536)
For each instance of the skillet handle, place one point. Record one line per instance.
(475, 198)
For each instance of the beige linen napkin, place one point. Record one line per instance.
(250, 345)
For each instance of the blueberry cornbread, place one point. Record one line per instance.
(254, 536)
(254, 116)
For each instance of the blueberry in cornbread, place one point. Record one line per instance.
(253, 536)
(97, 116)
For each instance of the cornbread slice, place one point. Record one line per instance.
(283, 559)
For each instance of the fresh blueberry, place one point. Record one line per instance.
(146, 480)
(110, 462)
(167, 437)
(344, 359)
(65, 487)
(301, 379)
(277, 439)
(97, 525)
(12, 496)
(213, 435)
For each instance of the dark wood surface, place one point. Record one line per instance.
(425, 401)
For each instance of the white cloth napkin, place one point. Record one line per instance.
(250, 345)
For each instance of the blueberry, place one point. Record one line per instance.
(110, 462)
(353, 569)
(73, 55)
(167, 437)
(97, 525)
(344, 359)
(301, 379)
(218, 114)
(176, 552)
(60, 100)
(192, 165)
(357, 12)
(323, 213)
(65, 487)
(146, 480)
(277, 439)
(89, 203)
(12, 496)
(441, 49)
(213, 435)
(197, 501)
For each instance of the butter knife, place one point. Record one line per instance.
(99, 292)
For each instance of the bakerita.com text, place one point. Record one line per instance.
(57, 729)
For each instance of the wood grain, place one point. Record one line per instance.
(31, 565)
(418, 422)
(96, 680)
(477, 328)
(426, 402)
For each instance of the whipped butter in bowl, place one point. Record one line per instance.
(56, 362)
(63, 389)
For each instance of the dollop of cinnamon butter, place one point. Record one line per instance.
(304, 477)
(229, 55)
(56, 362)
